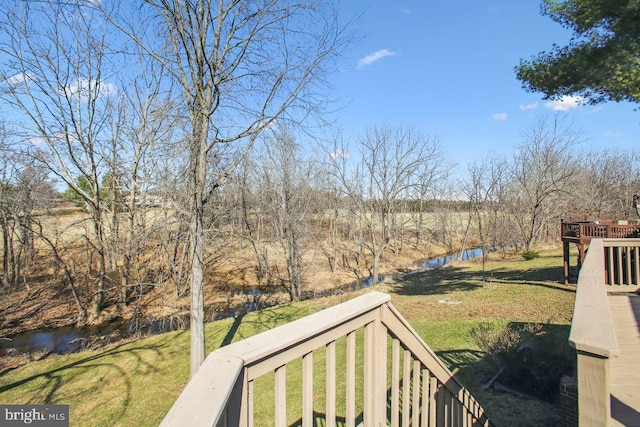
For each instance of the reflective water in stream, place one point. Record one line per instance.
(70, 339)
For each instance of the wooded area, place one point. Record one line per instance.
(184, 139)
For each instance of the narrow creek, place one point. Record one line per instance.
(71, 339)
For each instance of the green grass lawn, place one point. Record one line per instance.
(136, 383)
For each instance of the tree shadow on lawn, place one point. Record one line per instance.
(247, 325)
(452, 278)
(108, 364)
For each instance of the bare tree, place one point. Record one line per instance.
(542, 174)
(241, 66)
(388, 170)
(288, 180)
(482, 189)
(53, 73)
(609, 181)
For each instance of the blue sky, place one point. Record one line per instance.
(447, 68)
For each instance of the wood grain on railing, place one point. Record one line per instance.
(593, 337)
(423, 392)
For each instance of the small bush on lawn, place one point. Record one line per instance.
(527, 357)
(530, 254)
(498, 344)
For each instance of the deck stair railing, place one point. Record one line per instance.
(610, 266)
(375, 371)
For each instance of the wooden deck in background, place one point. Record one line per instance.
(625, 368)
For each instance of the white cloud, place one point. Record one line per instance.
(19, 79)
(611, 134)
(565, 103)
(405, 11)
(84, 88)
(370, 59)
(339, 154)
(499, 117)
(529, 106)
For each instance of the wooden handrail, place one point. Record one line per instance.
(592, 333)
(592, 325)
(221, 393)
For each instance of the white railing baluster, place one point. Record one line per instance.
(424, 420)
(351, 380)
(307, 390)
(406, 389)
(380, 371)
(248, 413)
(433, 389)
(331, 384)
(395, 383)
(281, 396)
(369, 373)
(415, 405)
(423, 391)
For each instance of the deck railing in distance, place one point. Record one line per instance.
(375, 370)
(622, 264)
(587, 230)
(593, 335)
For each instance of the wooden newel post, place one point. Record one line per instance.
(594, 401)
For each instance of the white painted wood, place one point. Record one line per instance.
(257, 368)
(206, 399)
(369, 374)
(395, 383)
(592, 326)
(594, 404)
(415, 404)
(203, 400)
(331, 384)
(307, 390)
(406, 389)
(399, 327)
(380, 374)
(247, 411)
(433, 397)
(273, 341)
(424, 419)
(351, 380)
(281, 396)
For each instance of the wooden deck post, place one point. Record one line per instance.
(594, 402)
(565, 257)
(581, 255)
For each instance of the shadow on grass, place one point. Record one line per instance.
(320, 420)
(247, 325)
(456, 279)
(458, 360)
(53, 379)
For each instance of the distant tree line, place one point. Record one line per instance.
(184, 131)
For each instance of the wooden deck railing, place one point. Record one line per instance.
(622, 264)
(586, 230)
(581, 233)
(613, 262)
(396, 380)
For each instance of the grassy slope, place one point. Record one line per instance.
(136, 383)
